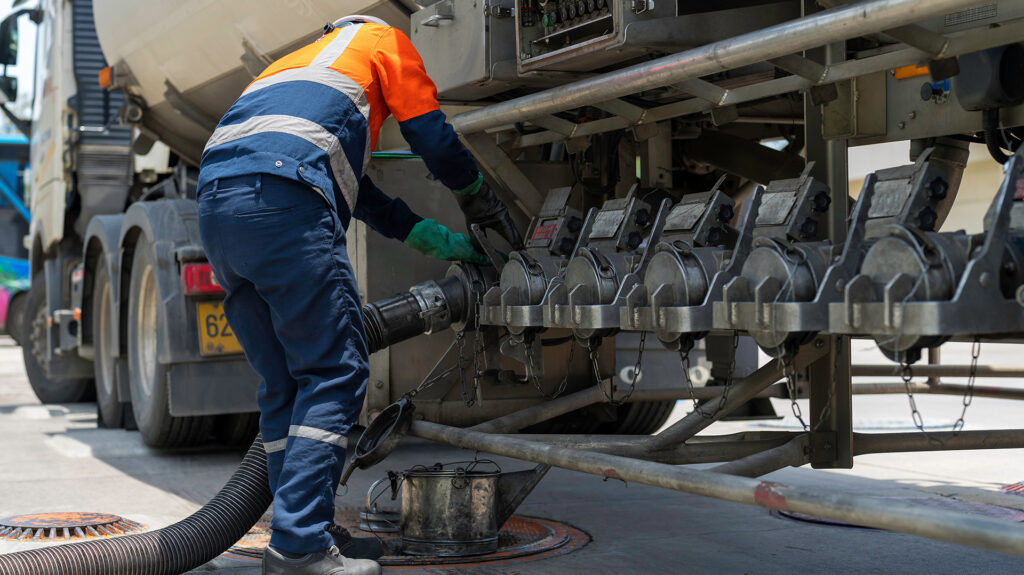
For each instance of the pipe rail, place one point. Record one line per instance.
(784, 39)
(882, 513)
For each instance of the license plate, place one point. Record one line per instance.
(215, 335)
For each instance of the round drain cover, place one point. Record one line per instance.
(522, 539)
(63, 527)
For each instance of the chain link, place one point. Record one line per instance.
(789, 372)
(565, 379)
(969, 392)
(684, 362)
(478, 347)
(826, 409)
(593, 354)
(907, 374)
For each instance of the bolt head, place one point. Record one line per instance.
(633, 240)
(985, 279)
(642, 217)
(926, 219)
(821, 201)
(808, 228)
(938, 188)
(725, 213)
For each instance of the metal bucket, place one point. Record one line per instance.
(449, 513)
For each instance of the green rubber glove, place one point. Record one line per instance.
(437, 241)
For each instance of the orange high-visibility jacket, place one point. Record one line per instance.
(314, 115)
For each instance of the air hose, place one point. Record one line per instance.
(219, 524)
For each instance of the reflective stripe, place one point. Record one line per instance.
(300, 127)
(334, 50)
(275, 446)
(318, 435)
(324, 76)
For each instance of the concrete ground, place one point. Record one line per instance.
(55, 459)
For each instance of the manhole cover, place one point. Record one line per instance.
(522, 539)
(64, 527)
(813, 519)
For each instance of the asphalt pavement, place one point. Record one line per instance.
(55, 459)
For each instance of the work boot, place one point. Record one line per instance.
(327, 562)
(355, 547)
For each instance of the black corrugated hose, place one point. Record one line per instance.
(220, 523)
(174, 549)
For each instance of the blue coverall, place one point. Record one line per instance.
(280, 179)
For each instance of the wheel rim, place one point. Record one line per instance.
(103, 342)
(146, 332)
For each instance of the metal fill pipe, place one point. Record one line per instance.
(792, 454)
(783, 39)
(726, 448)
(864, 443)
(541, 412)
(741, 391)
(929, 370)
(993, 391)
(883, 513)
(578, 400)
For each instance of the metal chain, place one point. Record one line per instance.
(790, 374)
(592, 352)
(826, 409)
(428, 380)
(565, 379)
(478, 346)
(969, 392)
(907, 374)
(684, 362)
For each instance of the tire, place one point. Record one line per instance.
(148, 377)
(109, 409)
(640, 418)
(33, 349)
(237, 429)
(16, 316)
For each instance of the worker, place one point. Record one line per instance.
(280, 180)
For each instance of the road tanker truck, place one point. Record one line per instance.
(123, 308)
(679, 169)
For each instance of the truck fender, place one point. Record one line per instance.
(170, 225)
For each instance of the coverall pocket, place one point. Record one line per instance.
(266, 211)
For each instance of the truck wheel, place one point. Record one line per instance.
(640, 418)
(16, 316)
(148, 377)
(33, 349)
(237, 429)
(110, 412)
